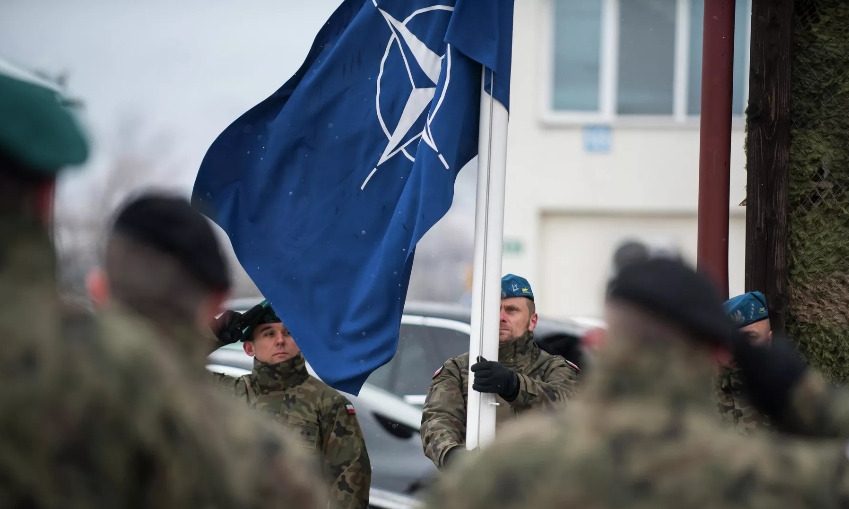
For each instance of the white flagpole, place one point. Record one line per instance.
(486, 278)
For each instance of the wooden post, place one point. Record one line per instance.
(768, 154)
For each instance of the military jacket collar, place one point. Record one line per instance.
(673, 372)
(280, 376)
(519, 353)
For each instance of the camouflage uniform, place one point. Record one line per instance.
(94, 413)
(729, 394)
(544, 381)
(321, 420)
(643, 433)
(817, 408)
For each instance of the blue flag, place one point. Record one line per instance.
(325, 187)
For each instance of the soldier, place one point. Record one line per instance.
(643, 432)
(749, 312)
(797, 399)
(92, 413)
(524, 378)
(322, 421)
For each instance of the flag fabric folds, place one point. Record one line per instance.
(325, 187)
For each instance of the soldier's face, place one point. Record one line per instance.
(272, 344)
(516, 319)
(758, 333)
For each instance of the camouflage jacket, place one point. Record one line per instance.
(644, 433)
(95, 414)
(817, 408)
(544, 381)
(728, 392)
(321, 420)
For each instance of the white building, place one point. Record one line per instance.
(604, 141)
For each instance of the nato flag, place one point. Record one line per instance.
(325, 187)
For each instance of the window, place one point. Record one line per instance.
(636, 58)
(421, 351)
(449, 343)
(416, 361)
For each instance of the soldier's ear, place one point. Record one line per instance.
(97, 286)
(249, 348)
(533, 322)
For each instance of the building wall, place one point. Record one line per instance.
(561, 199)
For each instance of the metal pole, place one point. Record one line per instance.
(486, 276)
(715, 140)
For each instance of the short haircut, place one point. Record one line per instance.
(162, 258)
(150, 282)
(532, 307)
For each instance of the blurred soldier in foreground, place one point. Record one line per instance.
(524, 378)
(643, 432)
(749, 312)
(163, 263)
(92, 412)
(321, 420)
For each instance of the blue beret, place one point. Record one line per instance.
(515, 286)
(746, 309)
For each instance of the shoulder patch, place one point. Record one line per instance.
(438, 371)
(573, 365)
(350, 408)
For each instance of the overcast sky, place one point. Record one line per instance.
(183, 69)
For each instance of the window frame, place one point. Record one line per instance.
(608, 80)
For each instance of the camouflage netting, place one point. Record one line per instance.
(818, 207)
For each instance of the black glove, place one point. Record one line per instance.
(493, 377)
(769, 374)
(228, 327)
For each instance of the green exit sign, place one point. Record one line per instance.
(512, 246)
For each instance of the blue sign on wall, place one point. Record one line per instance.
(597, 139)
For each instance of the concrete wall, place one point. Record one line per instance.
(650, 173)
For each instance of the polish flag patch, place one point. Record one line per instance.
(573, 365)
(438, 371)
(350, 408)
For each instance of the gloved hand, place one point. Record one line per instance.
(227, 327)
(769, 374)
(493, 377)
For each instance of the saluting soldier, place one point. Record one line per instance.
(322, 420)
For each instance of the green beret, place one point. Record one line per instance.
(256, 316)
(38, 130)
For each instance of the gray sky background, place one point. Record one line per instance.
(183, 69)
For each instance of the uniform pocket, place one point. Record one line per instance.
(304, 432)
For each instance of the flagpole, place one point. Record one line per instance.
(486, 276)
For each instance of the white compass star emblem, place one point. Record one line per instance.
(420, 98)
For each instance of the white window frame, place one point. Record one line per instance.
(608, 69)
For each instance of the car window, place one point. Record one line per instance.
(415, 360)
(449, 343)
(381, 377)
